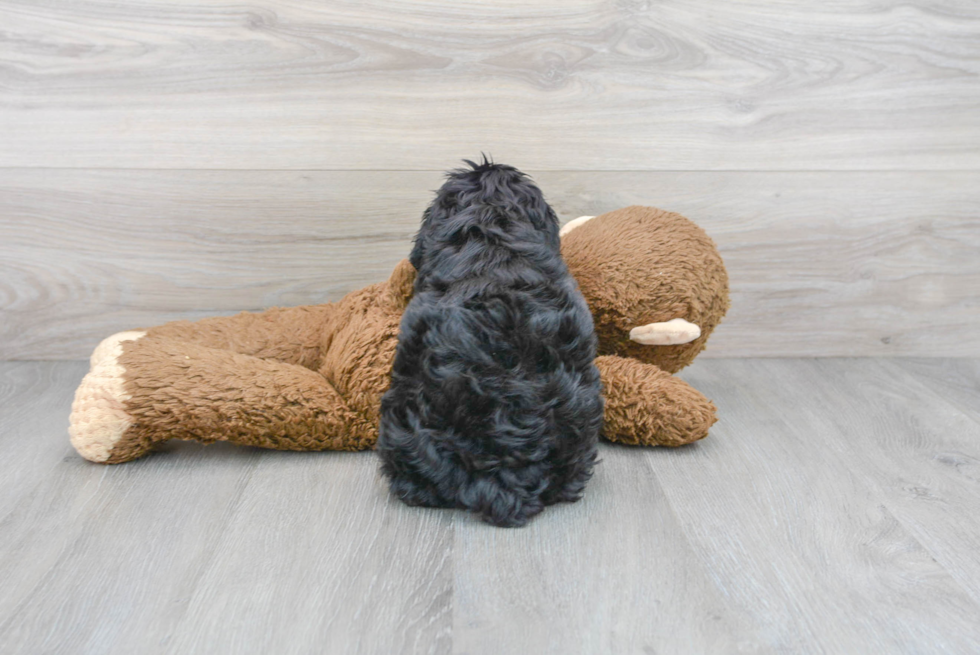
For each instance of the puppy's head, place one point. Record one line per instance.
(654, 281)
(485, 204)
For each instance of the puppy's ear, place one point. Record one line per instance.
(419, 248)
(415, 257)
(400, 285)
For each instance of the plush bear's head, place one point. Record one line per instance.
(654, 281)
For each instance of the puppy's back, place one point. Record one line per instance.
(495, 403)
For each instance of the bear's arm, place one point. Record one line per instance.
(647, 406)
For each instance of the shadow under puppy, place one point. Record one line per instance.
(495, 404)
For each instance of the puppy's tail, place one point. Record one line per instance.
(421, 472)
(504, 507)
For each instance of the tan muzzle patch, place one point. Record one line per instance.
(668, 333)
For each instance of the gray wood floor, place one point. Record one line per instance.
(835, 508)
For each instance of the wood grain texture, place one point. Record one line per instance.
(99, 249)
(920, 450)
(570, 85)
(831, 510)
(956, 381)
(805, 526)
(318, 560)
(34, 398)
(915, 449)
(613, 573)
(820, 263)
(207, 549)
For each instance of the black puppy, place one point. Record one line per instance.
(495, 404)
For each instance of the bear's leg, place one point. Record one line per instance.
(98, 414)
(293, 335)
(144, 389)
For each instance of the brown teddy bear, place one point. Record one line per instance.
(312, 377)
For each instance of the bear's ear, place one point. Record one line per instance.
(574, 223)
(400, 285)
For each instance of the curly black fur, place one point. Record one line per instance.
(495, 404)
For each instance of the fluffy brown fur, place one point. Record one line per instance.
(640, 265)
(311, 378)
